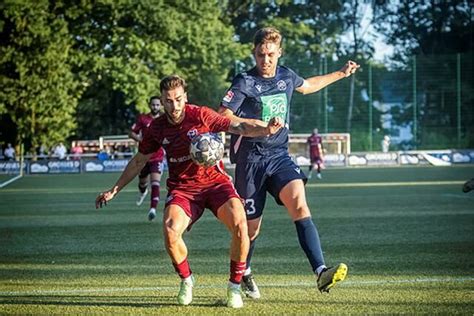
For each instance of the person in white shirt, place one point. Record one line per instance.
(60, 151)
(9, 152)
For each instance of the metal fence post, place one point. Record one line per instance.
(415, 123)
(458, 97)
(326, 120)
(370, 109)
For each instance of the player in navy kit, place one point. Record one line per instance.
(192, 187)
(263, 164)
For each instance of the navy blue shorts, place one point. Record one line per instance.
(254, 179)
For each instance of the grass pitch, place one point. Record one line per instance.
(405, 233)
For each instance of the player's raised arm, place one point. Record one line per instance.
(131, 171)
(316, 83)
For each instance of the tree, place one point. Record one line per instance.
(94, 64)
(428, 27)
(130, 45)
(358, 48)
(39, 91)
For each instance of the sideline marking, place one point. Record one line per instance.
(4, 184)
(312, 185)
(382, 184)
(267, 285)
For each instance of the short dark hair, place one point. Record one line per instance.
(172, 82)
(155, 97)
(267, 35)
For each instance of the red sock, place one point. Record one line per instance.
(183, 269)
(155, 193)
(237, 270)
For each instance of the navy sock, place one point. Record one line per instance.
(309, 241)
(251, 249)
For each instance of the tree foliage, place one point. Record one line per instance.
(39, 92)
(106, 59)
(428, 27)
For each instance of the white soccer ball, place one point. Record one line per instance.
(206, 149)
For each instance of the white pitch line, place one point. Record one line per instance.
(382, 184)
(4, 184)
(459, 196)
(263, 285)
(311, 185)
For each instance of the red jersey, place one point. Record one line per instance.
(143, 122)
(314, 140)
(175, 139)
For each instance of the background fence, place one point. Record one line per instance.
(427, 103)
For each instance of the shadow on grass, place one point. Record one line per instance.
(106, 301)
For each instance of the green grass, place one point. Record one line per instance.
(405, 233)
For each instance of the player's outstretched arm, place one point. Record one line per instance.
(253, 128)
(129, 173)
(316, 83)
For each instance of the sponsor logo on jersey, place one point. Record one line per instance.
(191, 133)
(180, 159)
(274, 105)
(229, 96)
(281, 85)
(298, 170)
(259, 88)
(165, 141)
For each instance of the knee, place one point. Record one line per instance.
(240, 228)
(300, 212)
(171, 233)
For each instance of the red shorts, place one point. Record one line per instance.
(194, 201)
(151, 167)
(316, 160)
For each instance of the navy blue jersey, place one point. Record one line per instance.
(252, 96)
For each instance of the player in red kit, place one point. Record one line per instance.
(192, 187)
(316, 156)
(154, 167)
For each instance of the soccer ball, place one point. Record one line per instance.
(206, 149)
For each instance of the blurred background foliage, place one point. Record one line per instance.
(81, 69)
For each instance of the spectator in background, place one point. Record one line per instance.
(77, 152)
(385, 144)
(315, 143)
(60, 151)
(9, 152)
(103, 154)
(43, 152)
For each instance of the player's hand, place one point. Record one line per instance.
(274, 125)
(350, 68)
(104, 197)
